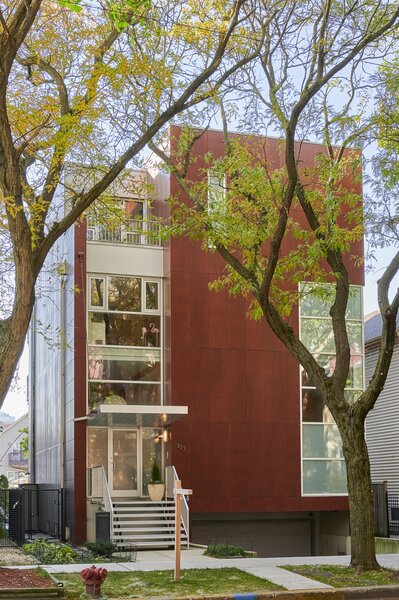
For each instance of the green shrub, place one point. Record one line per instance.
(50, 553)
(224, 550)
(102, 548)
(155, 472)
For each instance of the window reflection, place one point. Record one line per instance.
(152, 450)
(151, 295)
(123, 364)
(324, 477)
(116, 393)
(328, 362)
(134, 209)
(312, 406)
(317, 299)
(317, 335)
(124, 293)
(116, 329)
(97, 447)
(96, 291)
(321, 441)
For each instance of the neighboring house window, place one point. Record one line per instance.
(323, 465)
(124, 340)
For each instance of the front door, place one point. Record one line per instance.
(124, 473)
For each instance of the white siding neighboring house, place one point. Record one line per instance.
(382, 424)
(12, 463)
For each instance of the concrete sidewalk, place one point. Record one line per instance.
(266, 568)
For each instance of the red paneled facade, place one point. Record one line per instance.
(239, 448)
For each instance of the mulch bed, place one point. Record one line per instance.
(22, 578)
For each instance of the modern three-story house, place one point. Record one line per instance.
(133, 359)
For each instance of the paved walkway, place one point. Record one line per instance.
(268, 568)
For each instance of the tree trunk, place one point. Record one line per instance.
(13, 330)
(361, 503)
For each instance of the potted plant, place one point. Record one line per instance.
(156, 487)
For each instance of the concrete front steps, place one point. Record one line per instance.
(146, 523)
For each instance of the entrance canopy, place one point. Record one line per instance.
(135, 415)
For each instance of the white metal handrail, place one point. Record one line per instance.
(170, 477)
(142, 232)
(98, 488)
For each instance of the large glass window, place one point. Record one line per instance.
(124, 341)
(124, 329)
(122, 393)
(323, 465)
(124, 364)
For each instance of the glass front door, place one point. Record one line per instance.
(126, 455)
(124, 458)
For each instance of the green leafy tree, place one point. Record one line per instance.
(87, 85)
(282, 223)
(24, 443)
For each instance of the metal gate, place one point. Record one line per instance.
(26, 513)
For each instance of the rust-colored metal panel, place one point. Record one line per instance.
(239, 447)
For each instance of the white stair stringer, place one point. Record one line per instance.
(146, 523)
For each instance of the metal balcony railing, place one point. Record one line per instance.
(135, 232)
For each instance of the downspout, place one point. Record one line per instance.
(63, 339)
(32, 399)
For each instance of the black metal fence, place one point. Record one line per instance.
(30, 511)
(393, 513)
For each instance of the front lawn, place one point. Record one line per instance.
(160, 583)
(338, 576)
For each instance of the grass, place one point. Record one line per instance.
(338, 576)
(143, 584)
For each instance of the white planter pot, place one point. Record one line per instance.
(156, 491)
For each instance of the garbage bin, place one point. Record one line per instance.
(103, 526)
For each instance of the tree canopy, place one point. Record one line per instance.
(280, 221)
(90, 85)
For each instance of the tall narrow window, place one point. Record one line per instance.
(97, 287)
(216, 204)
(151, 295)
(216, 192)
(323, 465)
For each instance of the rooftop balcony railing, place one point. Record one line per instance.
(134, 232)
